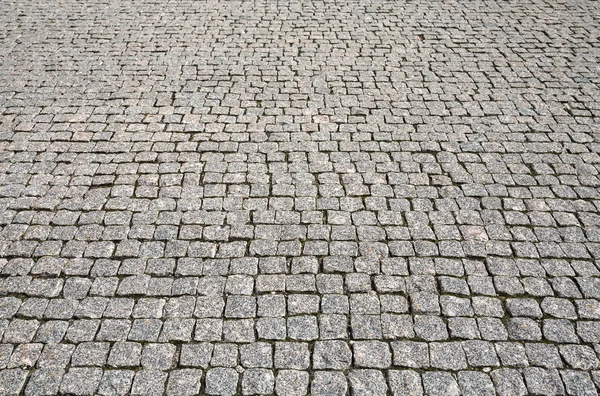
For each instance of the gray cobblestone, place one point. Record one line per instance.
(81, 381)
(116, 382)
(372, 354)
(12, 381)
(367, 382)
(149, 382)
(475, 383)
(329, 383)
(578, 383)
(334, 355)
(184, 382)
(225, 355)
(405, 382)
(321, 198)
(221, 381)
(508, 382)
(158, 356)
(440, 383)
(44, 381)
(291, 382)
(542, 381)
(257, 381)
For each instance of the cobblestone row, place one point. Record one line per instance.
(358, 197)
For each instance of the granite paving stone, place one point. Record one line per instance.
(300, 198)
(292, 382)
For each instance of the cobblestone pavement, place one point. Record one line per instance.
(357, 197)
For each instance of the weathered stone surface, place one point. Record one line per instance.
(317, 197)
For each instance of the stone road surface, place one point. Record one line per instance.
(325, 197)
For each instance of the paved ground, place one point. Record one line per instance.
(291, 197)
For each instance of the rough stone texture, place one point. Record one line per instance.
(405, 382)
(315, 197)
(326, 383)
(12, 381)
(221, 381)
(116, 382)
(335, 355)
(292, 382)
(81, 381)
(367, 382)
(149, 382)
(258, 382)
(184, 382)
